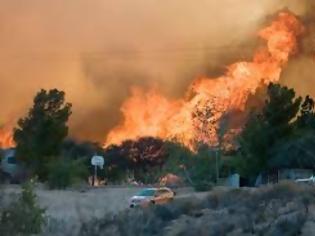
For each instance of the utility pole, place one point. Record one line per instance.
(217, 164)
(221, 131)
(94, 176)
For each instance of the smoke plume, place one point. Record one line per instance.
(96, 50)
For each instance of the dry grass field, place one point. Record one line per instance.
(66, 210)
(282, 209)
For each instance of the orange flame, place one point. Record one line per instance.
(196, 119)
(6, 138)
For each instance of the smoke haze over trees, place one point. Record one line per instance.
(96, 50)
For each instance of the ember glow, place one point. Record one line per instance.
(196, 118)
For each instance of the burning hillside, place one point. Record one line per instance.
(196, 118)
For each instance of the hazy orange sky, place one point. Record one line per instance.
(96, 49)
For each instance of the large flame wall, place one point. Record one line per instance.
(185, 120)
(97, 50)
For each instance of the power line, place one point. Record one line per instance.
(185, 53)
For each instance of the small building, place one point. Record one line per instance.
(234, 181)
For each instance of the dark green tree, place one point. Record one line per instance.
(265, 129)
(306, 118)
(39, 136)
(298, 152)
(280, 109)
(254, 144)
(201, 168)
(177, 158)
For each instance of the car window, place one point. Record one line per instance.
(147, 193)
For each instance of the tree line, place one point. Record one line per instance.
(278, 134)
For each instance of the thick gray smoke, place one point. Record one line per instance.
(96, 50)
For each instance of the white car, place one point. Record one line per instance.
(308, 180)
(151, 196)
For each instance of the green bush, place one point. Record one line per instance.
(64, 172)
(148, 177)
(24, 216)
(113, 174)
(198, 169)
(202, 170)
(177, 156)
(202, 187)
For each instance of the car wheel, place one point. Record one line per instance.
(132, 206)
(152, 202)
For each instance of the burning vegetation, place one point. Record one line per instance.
(181, 141)
(196, 118)
(6, 138)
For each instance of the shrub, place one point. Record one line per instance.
(265, 211)
(201, 169)
(177, 156)
(24, 216)
(196, 168)
(128, 223)
(148, 177)
(65, 172)
(202, 186)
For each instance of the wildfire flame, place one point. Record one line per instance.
(6, 138)
(197, 118)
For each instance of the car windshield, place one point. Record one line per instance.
(146, 193)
